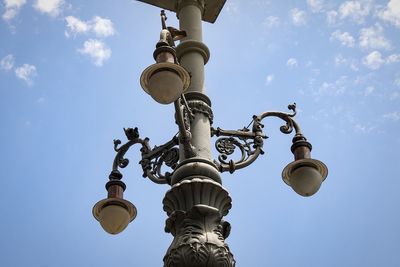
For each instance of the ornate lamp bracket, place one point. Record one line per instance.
(250, 142)
(152, 158)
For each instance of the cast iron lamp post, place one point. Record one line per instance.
(196, 202)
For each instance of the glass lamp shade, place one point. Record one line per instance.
(165, 86)
(114, 214)
(165, 82)
(305, 176)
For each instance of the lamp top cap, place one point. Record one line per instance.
(211, 12)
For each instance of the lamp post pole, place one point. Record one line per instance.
(196, 201)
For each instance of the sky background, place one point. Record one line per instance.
(69, 83)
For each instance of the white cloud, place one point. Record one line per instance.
(41, 100)
(76, 26)
(344, 38)
(373, 38)
(356, 10)
(394, 58)
(369, 90)
(393, 116)
(364, 129)
(12, 8)
(97, 50)
(49, 7)
(271, 22)
(342, 61)
(26, 72)
(331, 17)
(298, 17)
(7, 63)
(101, 27)
(335, 88)
(374, 60)
(269, 79)
(397, 82)
(316, 6)
(391, 13)
(292, 62)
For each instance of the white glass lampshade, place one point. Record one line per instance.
(165, 86)
(305, 176)
(114, 214)
(165, 82)
(114, 219)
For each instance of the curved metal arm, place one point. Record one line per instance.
(250, 143)
(287, 117)
(152, 159)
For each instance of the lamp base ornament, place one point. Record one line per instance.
(195, 208)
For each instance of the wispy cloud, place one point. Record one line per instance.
(76, 26)
(391, 13)
(364, 129)
(49, 7)
(12, 8)
(394, 95)
(348, 62)
(26, 72)
(397, 82)
(394, 58)
(373, 60)
(355, 10)
(7, 63)
(292, 62)
(373, 38)
(101, 27)
(298, 17)
(337, 87)
(316, 6)
(271, 21)
(41, 100)
(232, 8)
(393, 116)
(269, 79)
(369, 90)
(331, 17)
(344, 38)
(96, 50)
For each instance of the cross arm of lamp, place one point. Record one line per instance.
(152, 158)
(304, 174)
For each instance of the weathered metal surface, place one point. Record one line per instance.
(195, 208)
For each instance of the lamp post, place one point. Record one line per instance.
(196, 201)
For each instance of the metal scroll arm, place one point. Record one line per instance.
(249, 143)
(152, 159)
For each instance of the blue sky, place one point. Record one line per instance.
(69, 83)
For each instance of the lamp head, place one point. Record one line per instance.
(165, 82)
(305, 176)
(114, 214)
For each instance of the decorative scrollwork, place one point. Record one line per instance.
(153, 161)
(171, 157)
(250, 143)
(152, 158)
(227, 146)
